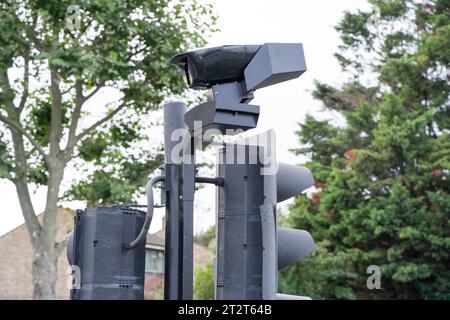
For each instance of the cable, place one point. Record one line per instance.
(150, 205)
(148, 217)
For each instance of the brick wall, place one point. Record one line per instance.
(16, 258)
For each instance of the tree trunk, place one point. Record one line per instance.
(45, 253)
(44, 273)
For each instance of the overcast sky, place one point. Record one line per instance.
(282, 106)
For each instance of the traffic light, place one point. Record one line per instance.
(293, 244)
(103, 265)
(232, 74)
(251, 248)
(107, 247)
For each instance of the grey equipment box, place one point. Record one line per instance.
(107, 269)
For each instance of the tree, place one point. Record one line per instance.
(204, 286)
(382, 170)
(55, 57)
(204, 283)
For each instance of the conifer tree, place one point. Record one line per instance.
(383, 170)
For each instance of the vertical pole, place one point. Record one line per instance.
(173, 120)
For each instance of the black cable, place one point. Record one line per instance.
(148, 217)
(150, 205)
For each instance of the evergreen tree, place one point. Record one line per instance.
(382, 171)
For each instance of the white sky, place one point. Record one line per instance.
(282, 106)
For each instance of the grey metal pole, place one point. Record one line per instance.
(173, 120)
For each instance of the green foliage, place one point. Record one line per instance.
(204, 283)
(158, 292)
(39, 119)
(93, 147)
(126, 179)
(204, 277)
(321, 275)
(119, 47)
(206, 237)
(382, 178)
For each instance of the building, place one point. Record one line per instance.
(154, 265)
(15, 264)
(16, 260)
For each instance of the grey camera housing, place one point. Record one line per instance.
(227, 118)
(274, 63)
(237, 71)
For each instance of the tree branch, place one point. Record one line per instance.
(20, 179)
(133, 54)
(12, 120)
(67, 90)
(56, 116)
(100, 122)
(60, 246)
(31, 221)
(7, 90)
(18, 127)
(93, 92)
(29, 153)
(33, 34)
(26, 80)
(80, 99)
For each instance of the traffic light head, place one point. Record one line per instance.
(293, 245)
(102, 265)
(292, 180)
(247, 221)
